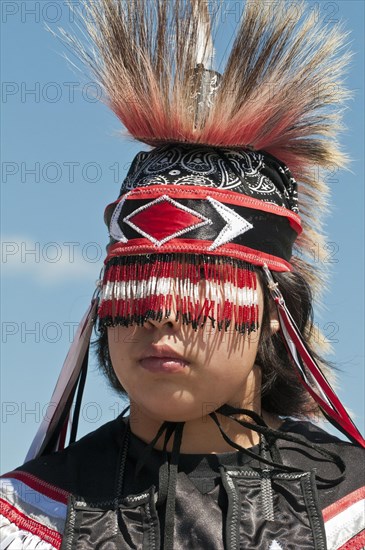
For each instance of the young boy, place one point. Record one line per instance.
(200, 264)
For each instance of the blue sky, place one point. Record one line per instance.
(62, 162)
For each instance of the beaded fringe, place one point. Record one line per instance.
(139, 288)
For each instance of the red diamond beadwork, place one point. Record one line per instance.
(164, 219)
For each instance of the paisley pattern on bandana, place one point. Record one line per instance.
(204, 166)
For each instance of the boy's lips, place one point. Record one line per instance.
(162, 359)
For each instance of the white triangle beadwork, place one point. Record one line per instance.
(114, 229)
(235, 224)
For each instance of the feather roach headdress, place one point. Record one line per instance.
(232, 180)
(280, 92)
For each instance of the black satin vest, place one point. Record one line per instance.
(265, 511)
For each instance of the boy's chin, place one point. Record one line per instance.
(176, 410)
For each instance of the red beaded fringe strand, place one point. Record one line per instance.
(139, 288)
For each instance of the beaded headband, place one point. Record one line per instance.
(188, 214)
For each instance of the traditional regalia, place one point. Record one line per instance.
(225, 195)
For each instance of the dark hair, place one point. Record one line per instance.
(282, 393)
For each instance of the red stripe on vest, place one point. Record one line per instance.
(28, 524)
(39, 485)
(356, 543)
(337, 507)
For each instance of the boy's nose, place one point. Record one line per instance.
(168, 322)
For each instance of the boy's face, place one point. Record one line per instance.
(214, 367)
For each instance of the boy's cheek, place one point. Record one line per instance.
(123, 336)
